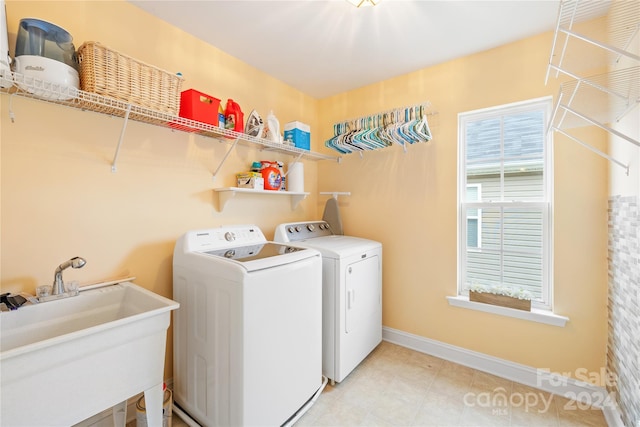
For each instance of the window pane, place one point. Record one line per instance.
(472, 232)
(490, 187)
(472, 193)
(524, 135)
(491, 229)
(524, 186)
(524, 156)
(483, 268)
(522, 230)
(483, 140)
(524, 271)
(511, 252)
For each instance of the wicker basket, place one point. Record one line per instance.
(503, 300)
(112, 74)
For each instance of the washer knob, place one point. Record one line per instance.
(298, 228)
(229, 236)
(290, 229)
(310, 227)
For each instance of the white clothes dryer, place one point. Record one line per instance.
(351, 293)
(248, 334)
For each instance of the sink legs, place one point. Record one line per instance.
(153, 403)
(120, 414)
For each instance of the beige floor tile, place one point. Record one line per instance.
(521, 417)
(398, 387)
(439, 410)
(341, 414)
(373, 421)
(484, 381)
(571, 412)
(486, 416)
(451, 386)
(397, 408)
(364, 394)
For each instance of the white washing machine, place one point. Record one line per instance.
(351, 295)
(248, 334)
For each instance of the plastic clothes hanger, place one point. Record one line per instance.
(408, 127)
(369, 134)
(333, 142)
(422, 127)
(345, 139)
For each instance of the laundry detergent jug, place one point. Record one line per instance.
(234, 118)
(271, 175)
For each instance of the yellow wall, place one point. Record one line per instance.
(408, 202)
(59, 196)
(60, 199)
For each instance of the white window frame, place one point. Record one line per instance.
(545, 205)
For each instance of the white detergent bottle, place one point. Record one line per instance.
(273, 128)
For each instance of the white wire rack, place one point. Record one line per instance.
(29, 87)
(603, 99)
(578, 48)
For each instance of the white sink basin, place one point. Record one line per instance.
(66, 360)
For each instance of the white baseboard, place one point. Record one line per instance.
(553, 383)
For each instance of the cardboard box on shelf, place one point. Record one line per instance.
(299, 133)
(253, 180)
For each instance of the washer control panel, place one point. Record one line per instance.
(224, 237)
(297, 231)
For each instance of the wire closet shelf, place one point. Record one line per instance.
(595, 35)
(29, 87)
(400, 126)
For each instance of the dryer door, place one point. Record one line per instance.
(362, 298)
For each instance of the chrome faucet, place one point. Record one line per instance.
(58, 283)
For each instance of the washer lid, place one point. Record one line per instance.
(262, 255)
(339, 246)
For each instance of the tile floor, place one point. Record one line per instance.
(396, 386)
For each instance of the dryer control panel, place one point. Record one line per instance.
(296, 231)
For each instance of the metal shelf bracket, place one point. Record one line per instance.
(224, 159)
(114, 167)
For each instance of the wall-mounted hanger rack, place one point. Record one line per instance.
(402, 126)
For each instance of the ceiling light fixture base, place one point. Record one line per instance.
(364, 3)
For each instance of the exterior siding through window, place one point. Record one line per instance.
(503, 152)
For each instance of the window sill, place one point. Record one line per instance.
(535, 315)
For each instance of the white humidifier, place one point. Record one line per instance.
(5, 59)
(46, 58)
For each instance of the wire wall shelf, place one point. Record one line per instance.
(29, 87)
(603, 99)
(577, 48)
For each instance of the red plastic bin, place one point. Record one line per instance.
(199, 106)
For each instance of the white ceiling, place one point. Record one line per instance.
(324, 47)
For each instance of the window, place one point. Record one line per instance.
(474, 217)
(504, 198)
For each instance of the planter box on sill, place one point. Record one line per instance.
(502, 300)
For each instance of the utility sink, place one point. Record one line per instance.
(63, 361)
